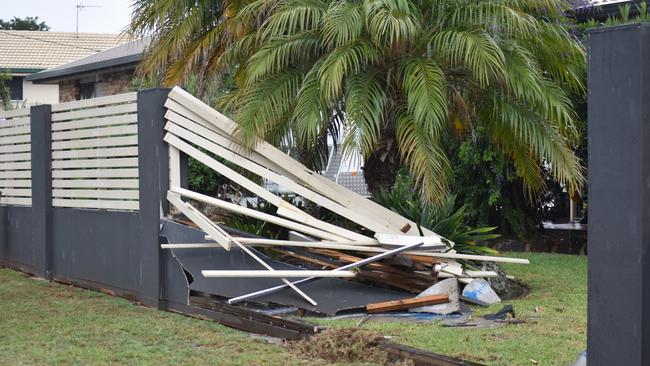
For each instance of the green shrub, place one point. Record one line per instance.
(446, 220)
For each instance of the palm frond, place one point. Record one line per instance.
(343, 23)
(475, 51)
(424, 157)
(343, 61)
(365, 107)
(425, 89)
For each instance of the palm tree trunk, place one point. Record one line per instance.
(381, 168)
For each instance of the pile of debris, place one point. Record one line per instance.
(399, 256)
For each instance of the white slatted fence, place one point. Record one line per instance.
(95, 153)
(15, 158)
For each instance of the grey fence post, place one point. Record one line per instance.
(154, 183)
(41, 155)
(619, 196)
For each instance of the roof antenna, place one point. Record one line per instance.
(80, 7)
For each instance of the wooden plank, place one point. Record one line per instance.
(15, 148)
(96, 153)
(17, 130)
(205, 225)
(259, 191)
(228, 142)
(307, 176)
(16, 201)
(16, 192)
(132, 194)
(15, 139)
(255, 214)
(273, 242)
(99, 204)
(267, 174)
(15, 183)
(406, 303)
(96, 173)
(15, 157)
(96, 122)
(189, 245)
(95, 183)
(15, 122)
(275, 274)
(95, 112)
(93, 163)
(23, 165)
(95, 102)
(96, 132)
(14, 113)
(98, 142)
(16, 174)
(174, 167)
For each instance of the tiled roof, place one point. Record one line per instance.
(127, 53)
(36, 50)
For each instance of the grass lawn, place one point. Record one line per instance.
(554, 336)
(44, 323)
(49, 323)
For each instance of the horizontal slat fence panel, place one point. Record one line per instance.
(15, 158)
(95, 183)
(95, 153)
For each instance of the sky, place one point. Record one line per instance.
(60, 15)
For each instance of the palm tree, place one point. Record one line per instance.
(390, 78)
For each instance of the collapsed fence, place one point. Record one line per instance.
(89, 187)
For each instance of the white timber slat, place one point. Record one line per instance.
(95, 112)
(15, 148)
(96, 122)
(18, 130)
(258, 190)
(14, 113)
(23, 165)
(207, 227)
(96, 153)
(96, 173)
(95, 132)
(132, 194)
(15, 183)
(95, 102)
(16, 192)
(256, 214)
(15, 157)
(95, 142)
(16, 201)
(95, 183)
(100, 204)
(379, 214)
(174, 167)
(13, 123)
(274, 274)
(94, 163)
(15, 174)
(15, 139)
(265, 173)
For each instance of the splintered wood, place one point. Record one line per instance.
(398, 256)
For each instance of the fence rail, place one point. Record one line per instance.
(15, 157)
(95, 153)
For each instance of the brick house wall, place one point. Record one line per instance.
(112, 82)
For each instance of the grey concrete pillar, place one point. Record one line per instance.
(41, 132)
(619, 196)
(154, 183)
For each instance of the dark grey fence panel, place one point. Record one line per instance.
(619, 196)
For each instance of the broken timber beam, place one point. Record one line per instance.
(406, 303)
